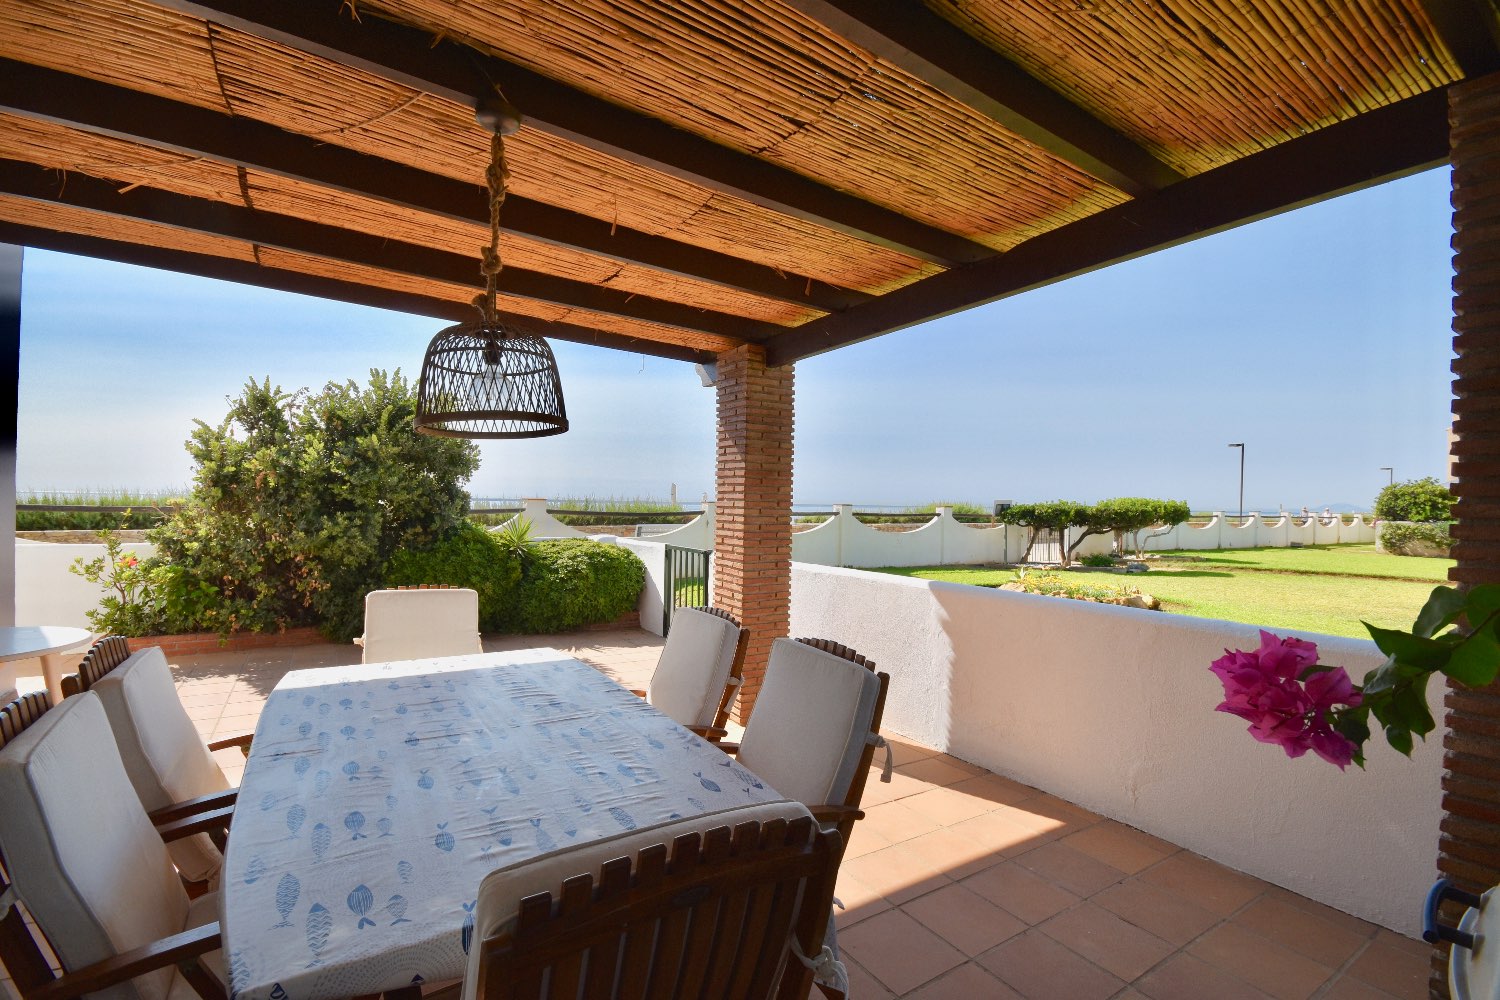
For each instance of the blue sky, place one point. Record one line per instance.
(1319, 337)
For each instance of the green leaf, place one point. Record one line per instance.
(1409, 708)
(1352, 725)
(1415, 650)
(1398, 738)
(1441, 610)
(1482, 603)
(1382, 679)
(1475, 661)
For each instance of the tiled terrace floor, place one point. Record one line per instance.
(964, 884)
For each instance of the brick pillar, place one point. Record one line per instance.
(753, 523)
(1469, 845)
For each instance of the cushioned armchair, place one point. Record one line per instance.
(731, 904)
(84, 859)
(417, 623)
(700, 669)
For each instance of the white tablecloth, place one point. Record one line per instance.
(377, 797)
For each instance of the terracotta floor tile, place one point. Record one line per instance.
(1073, 870)
(1001, 834)
(955, 854)
(1328, 913)
(967, 982)
(1396, 970)
(1391, 939)
(1044, 828)
(939, 770)
(1109, 942)
(1261, 962)
(1120, 846)
(1301, 931)
(1021, 892)
(1075, 817)
(905, 751)
(860, 901)
(994, 788)
(897, 821)
(896, 873)
(1349, 988)
(1164, 914)
(861, 983)
(899, 951)
(1204, 883)
(900, 786)
(864, 840)
(964, 919)
(1039, 968)
(947, 807)
(1187, 978)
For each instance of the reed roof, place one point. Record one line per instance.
(693, 175)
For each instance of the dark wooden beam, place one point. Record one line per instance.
(1471, 31)
(199, 215)
(245, 273)
(1380, 145)
(76, 102)
(408, 56)
(908, 34)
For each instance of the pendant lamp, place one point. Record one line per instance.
(489, 378)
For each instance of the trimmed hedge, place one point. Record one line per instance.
(1416, 539)
(569, 583)
(470, 557)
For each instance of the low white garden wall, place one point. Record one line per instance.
(1112, 708)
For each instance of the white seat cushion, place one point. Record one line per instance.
(694, 667)
(810, 723)
(203, 910)
(416, 624)
(502, 890)
(84, 858)
(164, 756)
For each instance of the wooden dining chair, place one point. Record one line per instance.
(78, 852)
(700, 669)
(732, 904)
(420, 622)
(816, 727)
(103, 656)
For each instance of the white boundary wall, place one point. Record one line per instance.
(1112, 708)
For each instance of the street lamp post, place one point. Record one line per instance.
(1241, 446)
(1387, 468)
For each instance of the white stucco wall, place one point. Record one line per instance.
(47, 594)
(1112, 708)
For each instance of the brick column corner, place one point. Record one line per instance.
(1469, 842)
(753, 521)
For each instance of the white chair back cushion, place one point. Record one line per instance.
(164, 756)
(810, 723)
(694, 667)
(416, 624)
(502, 890)
(84, 858)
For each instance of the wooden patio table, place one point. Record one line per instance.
(376, 797)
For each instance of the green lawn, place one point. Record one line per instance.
(1325, 589)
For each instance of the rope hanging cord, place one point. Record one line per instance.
(497, 177)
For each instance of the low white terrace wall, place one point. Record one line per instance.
(47, 593)
(1112, 708)
(1259, 532)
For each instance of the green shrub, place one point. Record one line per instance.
(573, 582)
(1408, 539)
(1097, 559)
(1414, 500)
(469, 557)
(1055, 585)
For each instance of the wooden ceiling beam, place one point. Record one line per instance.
(199, 215)
(1471, 31)
(76, 102)
(457, 73)
(1380, 145)
(244, 273)
(940, 54)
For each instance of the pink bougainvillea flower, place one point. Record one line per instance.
(1286, 658)
(1264, 688)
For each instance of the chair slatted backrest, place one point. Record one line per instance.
(857, 786)
(736, 670)
(715, 918)
(103, 656)
(19, 952)
(424, 586)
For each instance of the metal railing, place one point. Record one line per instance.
(686, 583)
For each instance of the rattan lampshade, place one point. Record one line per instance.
(487, 378)
(481, 381)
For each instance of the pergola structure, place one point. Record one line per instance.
(753, 182)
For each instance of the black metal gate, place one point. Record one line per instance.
(686, 585)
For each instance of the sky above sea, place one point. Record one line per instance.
(1320, 338)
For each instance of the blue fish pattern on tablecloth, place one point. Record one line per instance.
(500, 764)
(287, 891)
